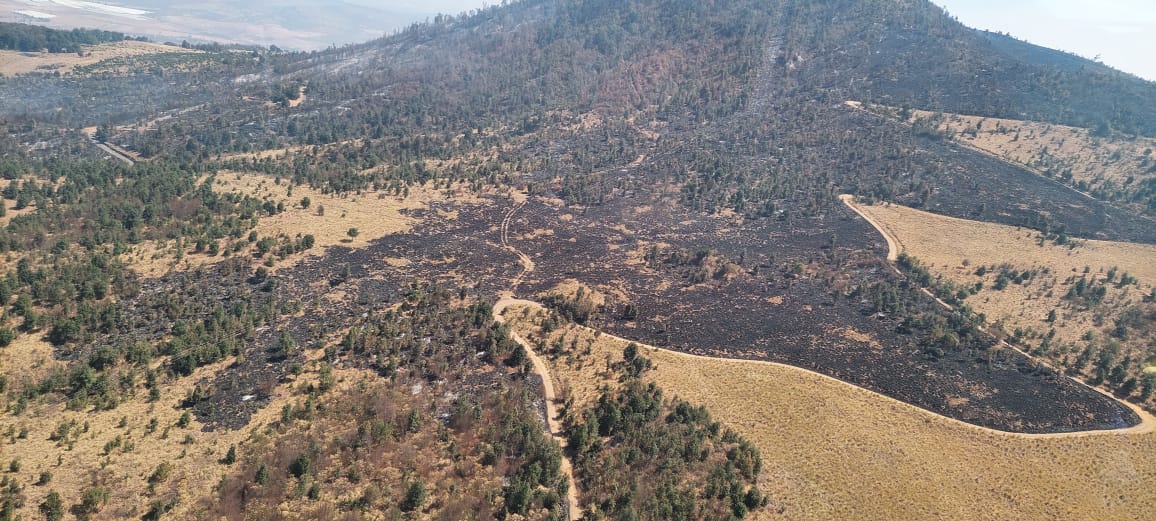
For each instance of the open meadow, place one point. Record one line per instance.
(16, 62)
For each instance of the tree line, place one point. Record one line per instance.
(33, 38)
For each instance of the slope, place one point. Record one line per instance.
(910, 52)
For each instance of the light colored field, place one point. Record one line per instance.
(291, 151)
(955, 248)
(15, 62)
(273, 153)
(328, 218)
(946, 241)
(126, 474)
(1041, 146)
(373, 214)
(10, 211)
(294, 103)
(27, 360)
(834, 451)
(1071, 154)
(206, 21)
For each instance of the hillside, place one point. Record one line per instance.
(283, 287)
(1109, 167)
(910, 53)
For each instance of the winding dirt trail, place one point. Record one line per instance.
(525, 260)
(894, 246)
(553, 419)
(1146, 425)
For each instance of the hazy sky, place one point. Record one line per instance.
(1121, 32)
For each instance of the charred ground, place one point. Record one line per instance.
(680, 159)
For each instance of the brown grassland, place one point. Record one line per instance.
(956, 248)
(16, 62)
(835, 451)
(1077, 155)
(328, 217)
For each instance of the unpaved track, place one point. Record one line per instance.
(1147, 421)
(525, 260)
(892, 244)
(553, 420)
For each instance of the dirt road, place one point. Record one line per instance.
(553, 420)
(525, 260)
(1147, 421)
(894, 247)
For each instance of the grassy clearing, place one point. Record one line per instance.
(1111, 166)
(1090, 159)
(329, 217)
(833, 451)
(27, 360)
(351, 221)
(16, 62)
(958, 249)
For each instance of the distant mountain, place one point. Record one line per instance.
(896, 52)
(767, 78)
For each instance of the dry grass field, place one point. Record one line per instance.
(1075, 155)
(834, 451)
(957, 248)
(28, 358)
(328, 217)
(15, 62)
(125, 467)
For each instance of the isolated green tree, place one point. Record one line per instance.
(52, 507)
